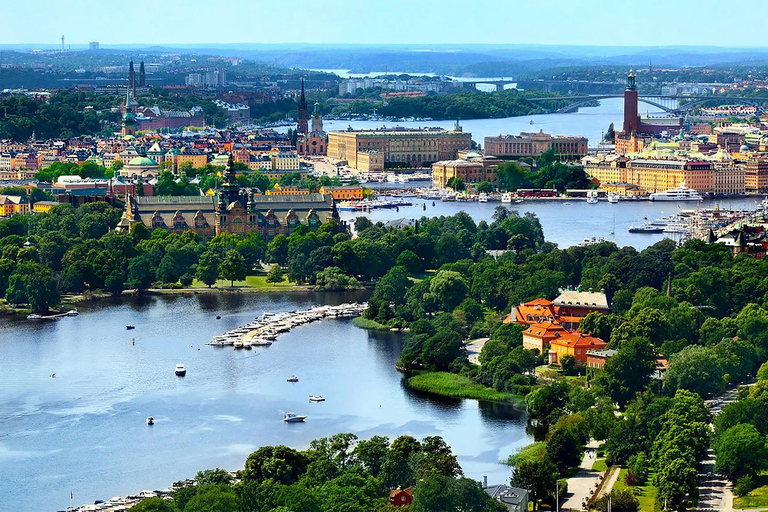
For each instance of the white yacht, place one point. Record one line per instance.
(292, 417)
(613, 198)
(592, 197)
(150, 420)
(482, 198)
(180, 370)
(316, 398)
(292, 378)
(681, 193)
(506, 197)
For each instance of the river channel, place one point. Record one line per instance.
(84, 431)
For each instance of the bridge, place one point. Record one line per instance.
(498, 83)
(669, 104)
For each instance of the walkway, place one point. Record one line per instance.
(583, 481)
(473, 349)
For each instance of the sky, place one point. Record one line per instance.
(411, 22)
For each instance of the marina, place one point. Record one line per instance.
(264, 330)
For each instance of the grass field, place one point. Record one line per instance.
(256, 282)
(365, 323)
(599, 465)
(458, 386)
(757, 498)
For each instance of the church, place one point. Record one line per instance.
(312, 142)
(234, 210)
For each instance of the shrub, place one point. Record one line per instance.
(186, 279)
(744, 486)
(630, 479)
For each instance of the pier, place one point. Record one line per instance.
(266, 328)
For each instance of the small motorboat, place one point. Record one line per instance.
(129, 327)
(180, 370)
(292, 417)
(293, 378)
(72, 312)
(316, 398)
(150, 420)
(218, 317)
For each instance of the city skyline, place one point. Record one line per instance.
(451, 22)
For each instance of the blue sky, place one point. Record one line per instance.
(573, 22)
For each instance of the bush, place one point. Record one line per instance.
(186, 279)
(630, 479)
(744, 486)
(621, 501)
(562, 485)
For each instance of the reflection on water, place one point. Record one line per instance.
(84, 431)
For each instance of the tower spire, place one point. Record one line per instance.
(302, 117)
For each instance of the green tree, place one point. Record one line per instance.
(696, 369)
(536, 475)
(33, 284)
(438, 492)
(207, 269)
(629, 370)
(140, 274)
(233, 267)
(275, 274)
(214, 499)
(153, 505)
(741, 451)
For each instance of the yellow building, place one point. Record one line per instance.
(285, 161)
(370, 161)
(606, 170)
(286, 191)
(413, 147)
(662, 175)
(348, 193)
(44, 206)
(756, 175)
(195, 157)
(11, 205)
(472, 169)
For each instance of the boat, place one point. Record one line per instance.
(681, 193)
(292, 378)
(613, 198)
(150, 420)
(567, 203)
(72, 312)
(591, 200)
(316, 398)
(592, 197)
(482, 198)
(518, 201)
(506, 197)
(646, 229)
(129, 327)
(180, 370)
(292, 417)
(531, 121)
(238, 344)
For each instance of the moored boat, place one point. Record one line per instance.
(180, 370)
(292, 417)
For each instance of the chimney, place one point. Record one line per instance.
(485, 481)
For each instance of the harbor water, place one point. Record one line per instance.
(84, 431)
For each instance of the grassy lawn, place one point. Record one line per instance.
(258, 282)
(757, 498)
(599, 465)
(365, 323)
(645, 494)
(620, 485)
(457, 386)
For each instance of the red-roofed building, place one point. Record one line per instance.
(401, 497)
(535, 311)
(539, 335)
(574, 344)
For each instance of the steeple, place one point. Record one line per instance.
(142, 75)
(302, 126)
(631, 80)
(131, 80)
(317, 119)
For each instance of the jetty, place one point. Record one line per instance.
(264, 330)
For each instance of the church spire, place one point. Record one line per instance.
(302, 125)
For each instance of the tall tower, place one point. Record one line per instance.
(303, 116)
(62, 43)
(129, 118)
(631, 118)
(131, 80)
(317, 119)
(142, 75)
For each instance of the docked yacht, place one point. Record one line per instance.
(592, 197)
(180, 370)
(681, 193)
(482, 198)
(292, 417)
(506, 197)
(613, 198)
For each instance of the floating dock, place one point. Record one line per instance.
(266, 328)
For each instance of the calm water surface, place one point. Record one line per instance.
(84, 431)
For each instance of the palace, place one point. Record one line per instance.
(236, 210)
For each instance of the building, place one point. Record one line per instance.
(596, 359)
(573, 304)
(662, 175)
(756, 175)
(237, 113)
(400, 147)
(633, 125)
(401, 497)
(277, 190)
(316, 141)
(285, 161)
(472, 169)
(140, 167)
(534, 144)
(532, 312)
(302, 115)
(93, 45)
(44, 206)
(541, 334)
(606, 170)
(129, 124)
(573, 344)
(730, 180)
(235, 210)
(191, 155)
(11, 205)
(514, 498)
(748, 240)
(344, 193)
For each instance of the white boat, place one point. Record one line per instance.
(506, 197)
(150, 420)
(613, 198)
(180, 370)
(292, 378)
(482, 198)
(592, 197)
(316, 398)
(292, 417)
(681, 193)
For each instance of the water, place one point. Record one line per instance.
(84, 431)
(566, 225)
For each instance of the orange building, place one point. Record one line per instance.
(573, 344)
(539, 335)
(538, 310)
(348, 193)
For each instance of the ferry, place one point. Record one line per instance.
(646, 229)
(681, 193)
(482, 198)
